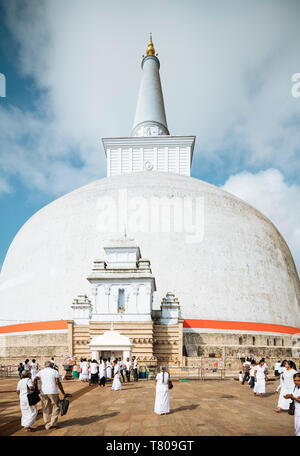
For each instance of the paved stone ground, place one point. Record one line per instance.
(207, 408)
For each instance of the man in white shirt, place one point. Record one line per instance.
(120, 364)
(127, 369)
(277, 368)
(49, 381)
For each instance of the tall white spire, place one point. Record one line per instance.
(150, 117)
(150, 146)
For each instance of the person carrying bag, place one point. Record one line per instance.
(33, 396)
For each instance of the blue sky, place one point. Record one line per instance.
(73, 70)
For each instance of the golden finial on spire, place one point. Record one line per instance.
(150, 49)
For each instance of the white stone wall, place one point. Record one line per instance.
(169, 154)
(138, 300)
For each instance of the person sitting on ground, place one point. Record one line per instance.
(49, 381)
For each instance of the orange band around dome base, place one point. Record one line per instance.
(240, 326)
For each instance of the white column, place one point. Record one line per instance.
(150, 105)
(126, 354)
(108, 162)
(95, 355)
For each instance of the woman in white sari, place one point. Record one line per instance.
(29, 412)
(117, 382)
(108, 369)
(281, 371)
(260, 377)
(162, 399)
(286, 387)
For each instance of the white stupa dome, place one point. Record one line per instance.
(242, 270)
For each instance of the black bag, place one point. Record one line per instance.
(170, 384)
(292, 407)
(33, 397)
(63, 405)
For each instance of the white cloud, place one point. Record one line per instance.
(35, 151)
(226, 74)
(4, 186)
(268, 192)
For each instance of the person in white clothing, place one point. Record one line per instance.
(29, 412)
(33, 369)
(116, 383)
(108, 370)
(84, 366)
(127, 369)
(246, 371)
(135, 368)
(295, 396)
(276, 368)
(252, 368)
(102, 372)
(286, 387)
(49, 380)
(162, 399)
(260, 378)
(281, 371)
(240, 377)
(94, 372)
(121, 365)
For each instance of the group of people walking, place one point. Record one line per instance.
(47, 383)
(104, 371)
(288, 388)
(256, 374)
(33, 367)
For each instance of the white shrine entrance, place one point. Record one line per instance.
(112, 345)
